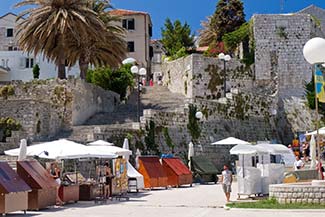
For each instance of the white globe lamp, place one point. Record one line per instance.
(227, 57)
(142, 71)
(134, 69)
(221, 56)
(314, 50)
(199, 115)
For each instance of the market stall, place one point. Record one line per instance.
(43, 186)
(177, 173)
(13, 190)
(249, 177)
(153, 172)
(204, 169)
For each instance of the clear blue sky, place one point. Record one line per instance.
(191, 11)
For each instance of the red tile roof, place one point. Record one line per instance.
(122, 12)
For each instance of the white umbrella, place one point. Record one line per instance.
(100, 142)
(321, 131)
(22, 150)
(110, 149)
(126, 146)
(61, 149)
(137, 155)
(190, 154)
(276, 149)
(313, 152)
(129, 60)
(247, 149)
(231, 141)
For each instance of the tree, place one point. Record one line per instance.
(108, 50)
(46, 28)
(36, 70)
(176, 36)
(117, 80)
(228, 16)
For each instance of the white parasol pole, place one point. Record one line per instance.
(22, 150)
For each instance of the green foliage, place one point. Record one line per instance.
(7, 125)
(193, 125)
(272, 203)
(149, 139)
(281, 32)
(115, 80)
(176, 38)
(168, 140)
(7, 90)
(317, 21)
(36, 71)
(228, 16)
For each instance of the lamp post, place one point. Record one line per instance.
(138, 72)
(224, 58)
(314, 53)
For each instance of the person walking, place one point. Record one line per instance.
(226, 181)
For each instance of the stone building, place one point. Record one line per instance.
(316, 13)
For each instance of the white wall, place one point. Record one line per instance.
(18, 71)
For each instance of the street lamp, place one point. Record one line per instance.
(314, 53)
(138, 72)
(199, 115)
(224, 58)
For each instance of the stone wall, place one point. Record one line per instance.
(196, 76)
(279, 41)
(45, 107)
(298, 193)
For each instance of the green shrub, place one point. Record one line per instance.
(7, 90)
(115, 80)
(36, 71)
(7, 125)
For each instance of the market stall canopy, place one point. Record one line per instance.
(231, 141)
(100, 143)
(275, 148)
(61, 149)
(247, 149)
(321, 131)
(110, 149)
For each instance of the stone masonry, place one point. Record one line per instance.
(298, 193)
(44, 108)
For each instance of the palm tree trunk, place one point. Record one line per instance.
(83, 66)
(61, 65)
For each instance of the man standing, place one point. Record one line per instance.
(226, 180)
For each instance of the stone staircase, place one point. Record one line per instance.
(157, 98)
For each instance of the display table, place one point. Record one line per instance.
(89, 191)
(69, 193)
(13, 190)
(43, 186)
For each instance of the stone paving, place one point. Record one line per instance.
(196, 201)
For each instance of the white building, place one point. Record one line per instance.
(138, 28)
(17, 65)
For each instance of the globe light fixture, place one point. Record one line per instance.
(142, 72)
(199, 115)
(134, 69)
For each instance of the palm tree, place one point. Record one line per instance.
(99, 51)
(47, 27)
(208, 34)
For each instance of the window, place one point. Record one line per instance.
(150, 52)
(128, 24)
(10, 48)
(150, 30)
(131, 46)
(10, 32)
(29, 63)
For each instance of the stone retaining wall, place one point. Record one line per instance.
(45, 107)
(298, 193)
